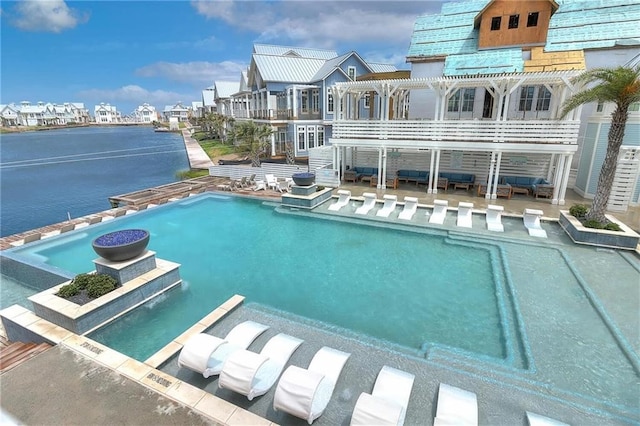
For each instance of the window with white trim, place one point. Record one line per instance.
(526, 98)
(311, 136)
(544, 99)
(315, 100)
(454, 102)
(320, 135)
(301, 140)
(468, 98)
(351, 72)
(367, 100)
(329, 101)
(304, 101)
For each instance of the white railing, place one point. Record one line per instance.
(514, 131)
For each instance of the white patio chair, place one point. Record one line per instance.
(389, 205)
(456, 407)
(387, 404)
(305, 393)
(272, 181)
(368, 203)
(439, 211)
(465, 215)
(494, 218)
(252, 374)
(410, 208)
(531, 219)
(204, 353)
(343, 199)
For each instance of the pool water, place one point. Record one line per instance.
(528, 307)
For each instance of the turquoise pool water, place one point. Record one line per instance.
(531, 308)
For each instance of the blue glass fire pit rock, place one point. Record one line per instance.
(121, 245)
(303, 179)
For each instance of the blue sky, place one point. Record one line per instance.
(161, 52)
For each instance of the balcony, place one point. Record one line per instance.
(459, 133)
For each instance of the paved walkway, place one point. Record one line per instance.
(198, 159)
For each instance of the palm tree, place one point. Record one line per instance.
(251, 139)
(620, 86)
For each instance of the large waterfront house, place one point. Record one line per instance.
(43, 114)
(144, 113)
(177, 111)
(106, 114)
(208, 102)
(288, 88)
(488, 79)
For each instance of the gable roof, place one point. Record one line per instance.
(207, 97)
(287, 69)
(478, 18)
(224, 89)
(303, 52)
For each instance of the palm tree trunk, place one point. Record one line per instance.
(608, 170)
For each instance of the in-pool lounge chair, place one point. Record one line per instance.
(464, 215)
(538, 420)
(439, 211)
(456, 407)
(494, 218)
(252, 374)
(305, 393)
(387, 404)
(389, 205)
(531, 219)
(368, 203)
(343, 199)
(205, 354)
(410, 208)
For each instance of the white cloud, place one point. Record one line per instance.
(196, 73)
(46, 16)
(135, 95)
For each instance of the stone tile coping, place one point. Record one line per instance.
(145, 373)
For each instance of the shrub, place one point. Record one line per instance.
(68, 290)
(82, 280)
(578, 210)
(612, 227)
(100, 284)
(593, 224)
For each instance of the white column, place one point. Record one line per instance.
(557, 178)
(565, 179)
(379, 167)
(496, 177)
(382, 177)
(550, 169)
(437, 172)
(431, 175)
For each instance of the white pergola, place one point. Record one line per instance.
(391, 130)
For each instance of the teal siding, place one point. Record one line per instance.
(485, 62)
(588, 147)
(598, 158)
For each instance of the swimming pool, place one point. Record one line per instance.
(518, 304)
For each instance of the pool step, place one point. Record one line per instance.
(18, 352)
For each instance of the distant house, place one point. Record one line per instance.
(43, 114)
(145, 113)
(222, 96)
(488, 80)
(197, 109)
(106, 114)
(288, 88)
(178, 111)
(208, 100)
(9, 115)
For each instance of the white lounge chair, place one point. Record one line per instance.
(343, 199)
(204, 353)
(260, 185)
(368, 203)
(538, 420)
(494, 218)
(456, 407)
(464, 215)
(387, 404)
(305, 393)
(252, 374)
(410, 208)
(531, 219)
(272, 181)
(389, 205)
(439, 211)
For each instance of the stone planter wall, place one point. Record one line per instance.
(626, 239)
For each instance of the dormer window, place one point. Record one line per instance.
(532, 19)
(351, 72)
(514, 21)
(495, 23)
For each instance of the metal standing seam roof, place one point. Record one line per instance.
(267, 49)
(207, 97)
(224, 89)
(287, 69)
(376, 67)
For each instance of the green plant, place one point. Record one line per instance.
(595, 224)
(578, 210)
(101, 284)
(612, 227)
(319, 188)
(82, 280)
(68, 290)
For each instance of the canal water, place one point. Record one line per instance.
(48, 176)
